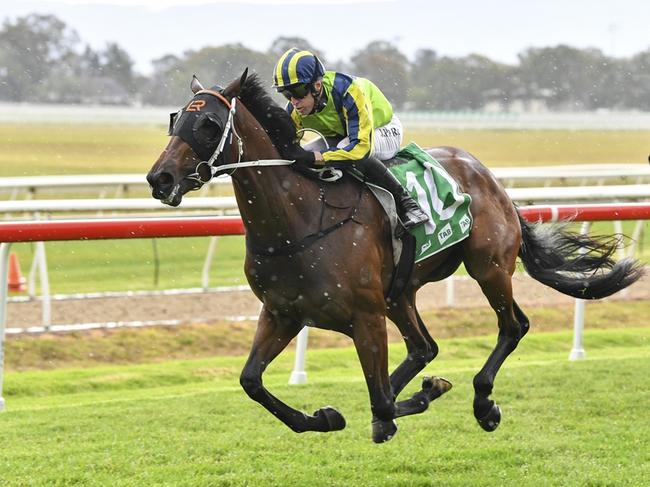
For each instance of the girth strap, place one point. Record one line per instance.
(291, 249)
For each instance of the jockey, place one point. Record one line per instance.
(354, 114)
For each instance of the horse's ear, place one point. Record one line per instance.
(195, 85)
(244, 75)
(234, 88)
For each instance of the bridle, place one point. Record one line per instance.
(228, 131)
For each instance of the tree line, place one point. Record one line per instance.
(43, 60)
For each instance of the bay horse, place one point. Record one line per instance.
(320, 254)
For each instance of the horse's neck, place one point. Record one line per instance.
(277, 204)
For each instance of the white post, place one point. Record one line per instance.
(578, 351)
(299, 375)
(4, 269)
(450, 291)
(618, 229)
(45, 285)
(636, 235)
(31, 279)
(205, 277)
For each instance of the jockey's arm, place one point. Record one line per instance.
(359, 125)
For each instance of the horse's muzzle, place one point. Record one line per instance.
(164, 188)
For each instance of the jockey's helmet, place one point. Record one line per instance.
(297, 67)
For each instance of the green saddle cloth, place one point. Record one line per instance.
(450, 219)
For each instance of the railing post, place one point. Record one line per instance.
(45, 285)
(4, 269)
(299, 375)
(209, 257)
(450, 290)
(578, 351)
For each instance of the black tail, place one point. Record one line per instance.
(575, 264)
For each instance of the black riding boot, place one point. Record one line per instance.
(408, 210)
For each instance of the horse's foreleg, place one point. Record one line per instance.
(371, 342)
(513, 325)
(272, 336)
(421, 349)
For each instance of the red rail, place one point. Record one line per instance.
(587, 212)
(97, 229)
(117, 228)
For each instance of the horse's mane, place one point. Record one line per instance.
(275, 119)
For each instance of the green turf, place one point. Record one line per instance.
(36, 150)
(499, 148)
(29, 150)
(189, 423)
(116, 265)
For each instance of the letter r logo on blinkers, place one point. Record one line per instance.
(195, 106)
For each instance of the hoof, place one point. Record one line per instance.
(383, 431)
(438, 384)
(333, 419)
(491, 420)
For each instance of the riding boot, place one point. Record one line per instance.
(408, 210)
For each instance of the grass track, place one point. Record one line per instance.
(188, 423)
(30, 150)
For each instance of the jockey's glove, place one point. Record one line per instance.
(304, 157)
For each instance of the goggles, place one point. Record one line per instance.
(296, 91)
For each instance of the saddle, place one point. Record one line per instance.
(437, 193)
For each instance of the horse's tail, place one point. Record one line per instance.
(575, 264)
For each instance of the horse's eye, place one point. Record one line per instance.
(207, 129)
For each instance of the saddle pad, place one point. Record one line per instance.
(450, 219)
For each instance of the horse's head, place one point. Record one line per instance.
(198, 132)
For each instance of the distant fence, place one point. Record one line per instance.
(121, 184)
(150, 115)
(598, 120)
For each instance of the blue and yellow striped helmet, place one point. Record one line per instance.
(297, 67)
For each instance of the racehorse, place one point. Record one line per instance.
(319, 254)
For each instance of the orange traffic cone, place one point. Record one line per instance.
(15, 279)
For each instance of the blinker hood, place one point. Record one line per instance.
(200, 124)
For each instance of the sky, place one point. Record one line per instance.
(498, 29)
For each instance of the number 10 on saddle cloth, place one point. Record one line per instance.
(439, 196)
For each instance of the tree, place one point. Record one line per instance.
(637, 81)
(568, 78)
(30, 48)
(117, 65)
(387, 67)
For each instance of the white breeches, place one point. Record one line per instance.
(387, 140)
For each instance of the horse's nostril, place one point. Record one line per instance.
(165, 179)
(161, 180)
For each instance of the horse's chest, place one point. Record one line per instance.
(305, 292)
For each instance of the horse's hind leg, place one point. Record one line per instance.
(421, 349)
(272, 336)
(513, 325)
